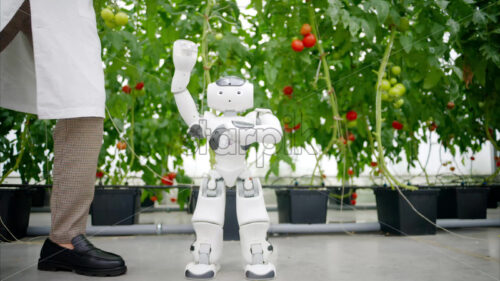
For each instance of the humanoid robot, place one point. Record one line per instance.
(229, 136)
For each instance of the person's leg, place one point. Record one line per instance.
(21, 21)
(77, 143)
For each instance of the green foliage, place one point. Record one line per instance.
(447, 50)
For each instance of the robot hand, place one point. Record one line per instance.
(185, 54)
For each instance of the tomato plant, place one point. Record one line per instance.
(357, 67)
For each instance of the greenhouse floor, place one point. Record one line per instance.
(367, 256)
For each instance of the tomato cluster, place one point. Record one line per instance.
(113, 20)
(168, 179)
(137, 91)
(308, 40)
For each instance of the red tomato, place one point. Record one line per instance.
(353, 202)
(166, 180)
(343, 140)
(121, 145)
(173, 200)
(433, 126)
(309, 40)
(354, 195)
(351, 115)
(99, 174)
(126, 89)
(452, 169)
(498, 163)
(351, 137)
(472, 158)
(397, 125)
(350, 172)
(296, 127)
(172, 175)
(288, 129)
(139, 86)
(288, 90)
(305, 29)
(373, 164)
(154, 198)
(297, 45)
(450, 105)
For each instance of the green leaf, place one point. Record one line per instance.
(381, 8)
(432, 78)
(406, 41)
(270, 73)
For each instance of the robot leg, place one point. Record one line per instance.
(254, 223)
(208, 220)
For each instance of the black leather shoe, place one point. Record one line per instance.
(84, 259)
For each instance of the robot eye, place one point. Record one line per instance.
(220, 92)
(239, 93)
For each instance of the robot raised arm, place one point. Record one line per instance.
(185, 54)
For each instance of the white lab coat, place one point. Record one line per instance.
(62, 75)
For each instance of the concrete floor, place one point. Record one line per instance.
(368, 256)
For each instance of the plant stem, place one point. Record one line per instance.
(204, 57)
(331, 90)
(492, 176)
(24, 140)
(378, 115)
(131, 136)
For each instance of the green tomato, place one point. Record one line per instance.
(385, 97)
(481, 104)
(394, 92)
(107, 14)
(393, 81)
(110, 23)
(385, 85)
(404, 24)
(401, 88)
(219, 36)
(396, 70)
(385, 74)
(352, 124)
(399, 103)
(121, 18)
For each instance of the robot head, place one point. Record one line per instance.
(230, 93)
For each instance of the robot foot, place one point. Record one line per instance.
(201, 271)
(260, 271)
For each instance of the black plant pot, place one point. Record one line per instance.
(472, 202)
(447, 203)
(302, 206)
(116, 206)
(494, 197)
(15, 206)
(38, 197)
(397, 217)
(231, 227)
(231, 230)
(462, 202)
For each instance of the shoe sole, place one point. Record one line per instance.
(54, 266)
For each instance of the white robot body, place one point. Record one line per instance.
(229, 136)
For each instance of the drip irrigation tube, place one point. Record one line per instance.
(157, 229)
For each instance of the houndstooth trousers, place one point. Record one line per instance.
(77, 142)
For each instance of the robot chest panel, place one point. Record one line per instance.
(223, 136)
